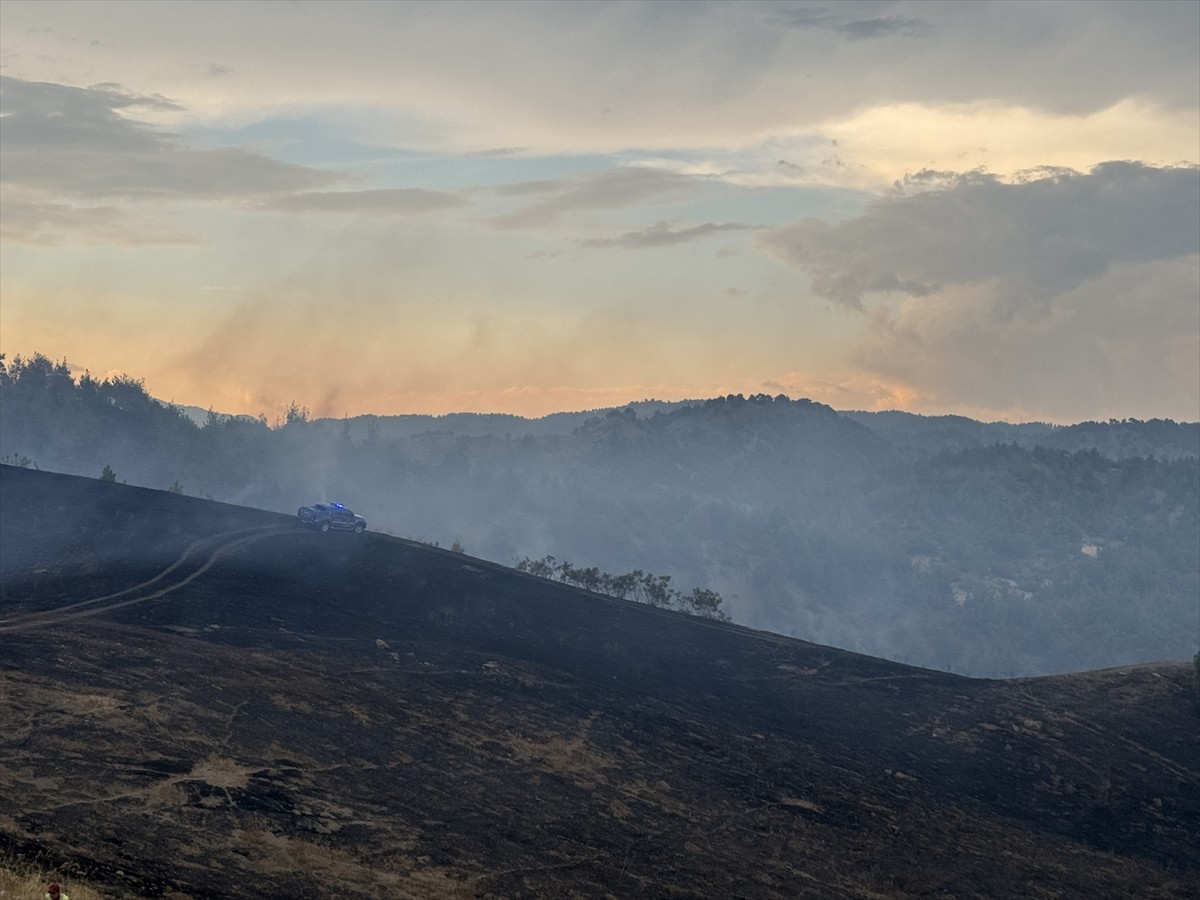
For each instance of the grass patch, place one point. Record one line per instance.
(21, 880)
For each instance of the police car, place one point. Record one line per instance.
(325, 516)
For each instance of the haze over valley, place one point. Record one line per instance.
(983, 549)
(201, 700)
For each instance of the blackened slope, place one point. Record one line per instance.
(60, 530)
(77, 534)
(1100, 762)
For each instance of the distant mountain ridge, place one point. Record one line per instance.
(385, 426)
(937, 541)
(1117, 439)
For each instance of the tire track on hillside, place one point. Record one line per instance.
(1104, 735)
(221, 545)
(183, 557)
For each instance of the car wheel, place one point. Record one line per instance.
(358, 529)
(325, 526)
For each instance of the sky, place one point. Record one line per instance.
(988, 209)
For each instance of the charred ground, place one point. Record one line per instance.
(199, 700)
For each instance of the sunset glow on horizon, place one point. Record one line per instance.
(985, 209)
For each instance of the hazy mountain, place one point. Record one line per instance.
(940, 542)
(202, 700)
(1116, 439)
(464, 423)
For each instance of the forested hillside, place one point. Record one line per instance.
(980, 548)
(1115, 439)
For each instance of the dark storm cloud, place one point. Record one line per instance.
(79, 142)
(1065, 295)
(1034, 239)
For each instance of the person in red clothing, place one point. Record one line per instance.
(54, 892)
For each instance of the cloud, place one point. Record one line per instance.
(80, 143)
(389, 201)
(881, 143)
(1063, 296)
(79, 166)
(611, 189)
(1033, 239)
(661, 235)
(1125, 343)
(497, 151)
(822, 18)
(525, 188)
(701, 75)
(25, 220)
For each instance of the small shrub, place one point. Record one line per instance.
(642, 587)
